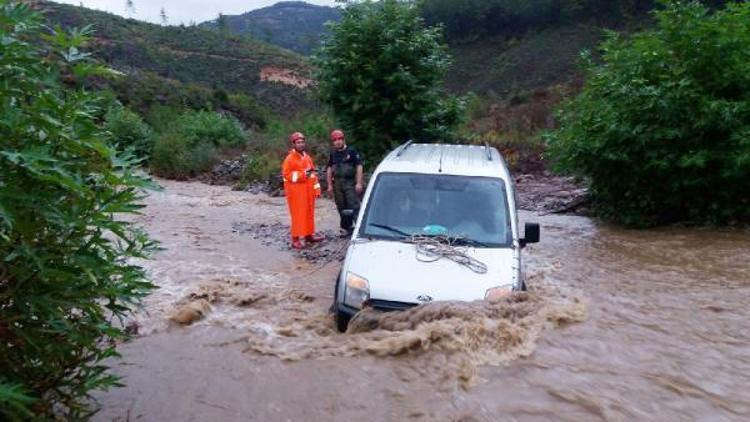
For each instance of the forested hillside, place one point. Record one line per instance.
(468, 20)
(506, 46)
(189, 64)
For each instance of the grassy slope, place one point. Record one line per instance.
(504, 67)
(188, 55)
(519, 83)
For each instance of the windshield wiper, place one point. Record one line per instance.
(470, 242)
(457, 241)
(390, 229)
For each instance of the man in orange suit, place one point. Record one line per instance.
(301, 187)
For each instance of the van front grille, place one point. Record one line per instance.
(389, 305)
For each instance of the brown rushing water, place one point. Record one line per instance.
(618, 325)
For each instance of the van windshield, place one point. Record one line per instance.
(405, 204)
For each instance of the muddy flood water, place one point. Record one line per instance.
(617, 325)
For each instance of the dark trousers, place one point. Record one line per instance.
(346, 198)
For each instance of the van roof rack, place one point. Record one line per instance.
(488, 151)
(404, 147)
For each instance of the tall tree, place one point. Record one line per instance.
(163, 16)
(381, 71)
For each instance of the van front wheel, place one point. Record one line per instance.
(342, 321)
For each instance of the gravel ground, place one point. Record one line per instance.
(333, 248)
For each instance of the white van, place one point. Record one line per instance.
(438, 222)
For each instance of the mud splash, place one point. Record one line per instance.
(451, 339)
(236, 303)
(242, 294)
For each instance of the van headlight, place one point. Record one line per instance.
(357, 290)
(495, 294)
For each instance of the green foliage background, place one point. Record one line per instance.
(662, 128)
(129, 132)
(381, 72)
(190, 141)
(67, 273)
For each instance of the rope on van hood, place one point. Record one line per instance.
(433, 248)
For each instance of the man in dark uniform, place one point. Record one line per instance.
(344, 174)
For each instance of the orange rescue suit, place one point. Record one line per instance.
(301, 187)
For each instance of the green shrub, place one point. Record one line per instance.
(259, 167)
(662, 128)
(175, 157)
(208, 127)
(247, 110)
(67, 277)
(129, 131)
(189, 141)
(162, 118)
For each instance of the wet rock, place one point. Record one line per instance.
(227, 172)
(191, 312)
(257, 188)
(274, 182)
(132, 328)
(247, 299)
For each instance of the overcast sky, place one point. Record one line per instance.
(181, 11)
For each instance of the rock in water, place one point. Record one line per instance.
(191, 312)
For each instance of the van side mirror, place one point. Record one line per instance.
(531, 234)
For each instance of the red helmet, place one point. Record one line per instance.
(296, 135)
(336, 134)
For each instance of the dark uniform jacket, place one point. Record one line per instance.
(344, 163)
